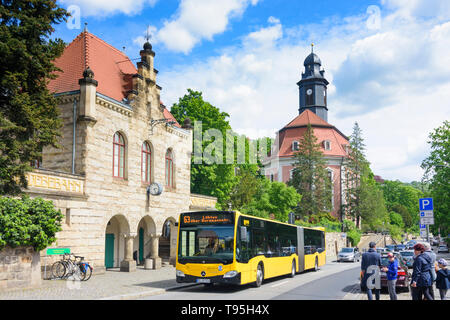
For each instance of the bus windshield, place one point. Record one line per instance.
(206, 244)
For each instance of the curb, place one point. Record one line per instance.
(132, 296)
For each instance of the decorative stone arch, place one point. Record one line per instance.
(116, 230)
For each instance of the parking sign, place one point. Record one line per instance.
(426, 204)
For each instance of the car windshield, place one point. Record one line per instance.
(407, 253)
(206, 243)
(346, 250)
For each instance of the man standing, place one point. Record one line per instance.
(391, 274)
(432, 255)
(371, 260)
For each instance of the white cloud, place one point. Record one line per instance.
(395, 80)
(196, 20)
(102, 8)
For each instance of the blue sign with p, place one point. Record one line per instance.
(426, 204)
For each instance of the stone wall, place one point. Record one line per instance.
(335, 241)
(19, 268)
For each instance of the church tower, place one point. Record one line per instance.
(313, 87)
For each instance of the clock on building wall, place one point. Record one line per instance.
(155, 189)
(309, 92)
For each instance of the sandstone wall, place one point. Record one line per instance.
(19, 268)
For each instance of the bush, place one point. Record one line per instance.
(28, 222)
(354, 236)
(330, 223)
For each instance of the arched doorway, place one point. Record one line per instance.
(142, 244)
(166, 242)
(115, 230)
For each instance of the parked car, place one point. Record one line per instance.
(408, 257)
(435, 242)
(381, 250)
(400, 247)
(349, 254)
(443, 248)
(403, 274)
(390, 247)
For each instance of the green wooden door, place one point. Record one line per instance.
(109, 250)
(141, 245)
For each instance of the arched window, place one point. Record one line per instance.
(146, 163)
(118, 156)
(169, 169)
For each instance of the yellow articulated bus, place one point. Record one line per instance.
(232, 248)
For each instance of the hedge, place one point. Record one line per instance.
(28, 222)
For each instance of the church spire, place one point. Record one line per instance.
(313, 86)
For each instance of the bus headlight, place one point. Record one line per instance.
(230, 274)
(180, 273)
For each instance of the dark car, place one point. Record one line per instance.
(408, 257)
(403, 275)
(400, 247)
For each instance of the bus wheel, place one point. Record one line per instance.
(316, 265)
(293, 269)
(259, 276)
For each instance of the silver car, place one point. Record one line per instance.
(349, 254)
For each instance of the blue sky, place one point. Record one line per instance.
(387, 62)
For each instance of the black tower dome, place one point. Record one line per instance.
(313, 87)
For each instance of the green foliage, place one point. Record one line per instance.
(353, 234)
(437, 174)
(272, 197)
(28, 111)
(396, 232)
(213, 179)
(28, 222)
(396, 219)
(310, 177)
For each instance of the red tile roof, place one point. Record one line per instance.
(112, 68)
(295, 130)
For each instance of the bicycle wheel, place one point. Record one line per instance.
(58, 270)
(88, 272)
(82, 271)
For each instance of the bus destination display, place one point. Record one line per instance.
(207, 218)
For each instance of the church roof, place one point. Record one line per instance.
(312, 59)
(323, 131)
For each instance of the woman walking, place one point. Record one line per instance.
(421, 278)
(442, 278)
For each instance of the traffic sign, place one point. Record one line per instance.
(423, 233)
(426, 204)
(426, 221)
(426, 214)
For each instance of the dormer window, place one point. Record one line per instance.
(295, 146)
(327, 144)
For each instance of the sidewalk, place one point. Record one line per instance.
(111, 285)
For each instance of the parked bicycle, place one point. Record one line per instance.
(72, 266)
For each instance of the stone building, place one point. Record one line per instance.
(313, 111)
(117, 140)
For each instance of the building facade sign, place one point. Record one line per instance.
(55, 183)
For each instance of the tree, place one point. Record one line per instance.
(358, 168)
(310, 177)
(28, 111)
(437, 174)
(214, 179)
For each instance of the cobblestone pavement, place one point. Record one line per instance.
(111, 285)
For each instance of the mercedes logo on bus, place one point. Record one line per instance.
(203, 273)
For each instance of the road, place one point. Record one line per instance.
(332, 281)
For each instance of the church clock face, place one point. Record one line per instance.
(309, 92)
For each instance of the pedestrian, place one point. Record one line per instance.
(391, 274)
(421, 276)
(442, 278)
(432, 255)
(369, 259)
